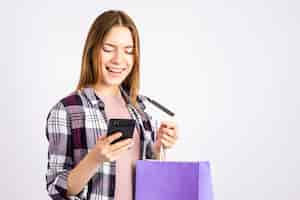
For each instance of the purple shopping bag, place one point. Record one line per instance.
(161, 180)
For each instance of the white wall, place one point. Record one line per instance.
(229, 69)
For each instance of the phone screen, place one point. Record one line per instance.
(126, 126)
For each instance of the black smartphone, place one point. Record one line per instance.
(126, 126)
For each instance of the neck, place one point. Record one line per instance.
(107, 90)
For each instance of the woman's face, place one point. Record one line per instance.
(117, 56)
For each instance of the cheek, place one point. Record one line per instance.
(130, 61)
(105, 58)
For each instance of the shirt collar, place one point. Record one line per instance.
(89, 92)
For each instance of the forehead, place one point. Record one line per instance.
(119, 35)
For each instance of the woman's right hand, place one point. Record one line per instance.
(104, 151)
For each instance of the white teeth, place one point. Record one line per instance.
(115, 70)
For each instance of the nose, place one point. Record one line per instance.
(118, 57)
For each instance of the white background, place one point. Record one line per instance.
(228, 68)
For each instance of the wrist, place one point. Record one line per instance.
(156, 149)
(94, 157)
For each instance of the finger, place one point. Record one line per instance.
(170, 132)
(166, 143)
(121, 144)
(118, 152)
(111, 138)
(101, 137)
(169, 139)
(168, 124)
(101, 141)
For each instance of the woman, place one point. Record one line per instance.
(82, 162)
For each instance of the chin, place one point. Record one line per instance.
(113, 83)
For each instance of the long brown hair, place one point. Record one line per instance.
(91, 61)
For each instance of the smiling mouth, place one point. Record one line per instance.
(115, 69)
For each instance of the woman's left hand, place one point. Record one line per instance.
(167, 135)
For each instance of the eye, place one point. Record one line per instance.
(107, 48)
(129, 51)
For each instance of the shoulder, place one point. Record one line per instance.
(73, 99)
(64, 105)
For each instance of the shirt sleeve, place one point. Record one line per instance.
(60, 162)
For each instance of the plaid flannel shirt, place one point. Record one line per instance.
(73, 126)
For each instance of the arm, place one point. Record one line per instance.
(60, 159)
(64, 179)
(166, 136)
(103, 151)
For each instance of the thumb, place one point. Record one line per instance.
(101, 137)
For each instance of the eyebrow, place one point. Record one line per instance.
(112, 45)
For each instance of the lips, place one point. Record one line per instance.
(117, 70)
